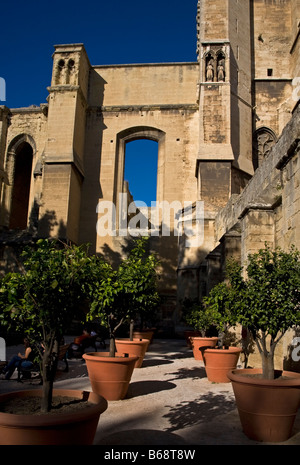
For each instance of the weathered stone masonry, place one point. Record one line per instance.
(227, 129)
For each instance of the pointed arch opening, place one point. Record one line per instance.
(144, 148)
(21, 186)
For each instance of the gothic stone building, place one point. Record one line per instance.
(227, 128)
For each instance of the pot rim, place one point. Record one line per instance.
(44, 421)
(104, 357)
(135, 340)
(238, 376)
(210, 338)
(223, 351)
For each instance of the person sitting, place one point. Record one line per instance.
(81, 342)
(21, 360)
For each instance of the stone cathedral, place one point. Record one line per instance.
(227, 129)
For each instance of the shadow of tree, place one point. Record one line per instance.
(207, 406)
(143, 388)
(179, 355)
(155, 362)
(194, 373)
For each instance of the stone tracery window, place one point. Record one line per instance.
(64, 72)
(263, 141)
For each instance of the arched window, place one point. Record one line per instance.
(263, 141)
(21, 186)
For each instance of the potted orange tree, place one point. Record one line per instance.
(201, 320)
(114, 298)
(139, 272)
(221, 308)
(268, 304)
(41, 301)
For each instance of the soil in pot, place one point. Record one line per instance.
(72, 421)
(110, 376)
(199, 344)
(267, 408)
(135, 348)
(218, 362)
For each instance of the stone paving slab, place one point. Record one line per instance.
(170, 402)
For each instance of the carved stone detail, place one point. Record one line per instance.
(215, 65)
(263, 141)
(65, 71)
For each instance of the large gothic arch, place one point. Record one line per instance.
(20, 158)
(132, 134)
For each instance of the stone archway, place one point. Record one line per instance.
(129, 135)
(19, 164)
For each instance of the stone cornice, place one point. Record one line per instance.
(154, 107)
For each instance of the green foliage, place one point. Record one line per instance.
(200, 319)
(271, 294)
(42, 299)
(268, 301)
(221, 302)
(120, 295)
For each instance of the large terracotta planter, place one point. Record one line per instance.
(267, 408)
(72, 428)
(109, 376)
(144, 334)
(201, 343)
(218, 362)
(135, 348)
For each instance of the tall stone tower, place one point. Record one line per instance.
(225, 102)
(64, 149)
(223, 164)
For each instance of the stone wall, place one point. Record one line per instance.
(268, 211)
(216, 122)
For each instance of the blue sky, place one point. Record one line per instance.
(113, 32)
(141, 170)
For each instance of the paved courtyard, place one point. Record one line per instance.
(170, 402)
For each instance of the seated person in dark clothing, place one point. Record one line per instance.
(81, 342)
(24, 360)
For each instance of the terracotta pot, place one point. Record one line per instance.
(144, 334)
(109, 376)
(72, 428)
(135, 348)
(267, 408)
(200, 343)
(219, 361)
(188, 334)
